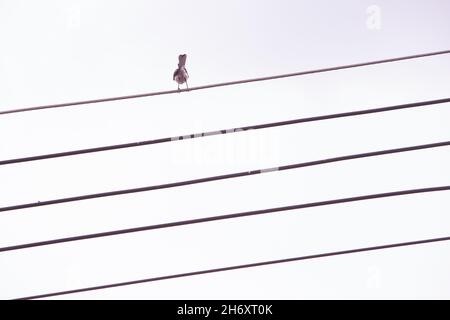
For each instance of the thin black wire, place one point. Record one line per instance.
(59, 105)
(224, 217)
(237, 267)
(226, 131)
(221, 177)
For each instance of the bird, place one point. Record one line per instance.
(181, 75)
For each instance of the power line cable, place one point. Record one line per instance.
(220, 177)
(349, 66)
(225, 131)
(238, 267)
(223, 217)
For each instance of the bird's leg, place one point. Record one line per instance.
(187, 86)
(178, 88)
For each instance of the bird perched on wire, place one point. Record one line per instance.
(181, 75)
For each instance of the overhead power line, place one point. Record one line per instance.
(223, 217)
(225, 131)
(222, 177)
(301, 73)
(238, 267)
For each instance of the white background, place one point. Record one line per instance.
(60, 51)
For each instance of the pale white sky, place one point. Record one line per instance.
(59, 51)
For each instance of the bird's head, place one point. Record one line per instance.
(181, 60)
